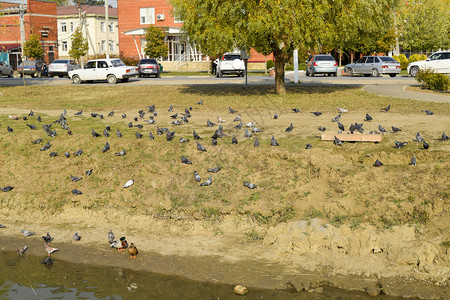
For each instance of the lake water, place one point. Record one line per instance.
(24, 277)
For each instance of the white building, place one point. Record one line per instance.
(93, 26)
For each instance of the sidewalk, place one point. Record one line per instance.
(400, 91)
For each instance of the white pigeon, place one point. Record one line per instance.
(342, 110)
(128, 183)
(220, 120)
(250, 124)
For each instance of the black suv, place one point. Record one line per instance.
(149, 66)
(30, 67)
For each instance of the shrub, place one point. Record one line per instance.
(402, 60)
(130, 61)
(433, 81)
(417, 57)
(270, 64)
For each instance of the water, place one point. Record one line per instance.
(24, 277)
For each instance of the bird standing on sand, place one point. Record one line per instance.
(197, 177)
(7, 188)
(21, 251)
(123, 244)
(386, 109)
(414, 161)
(289, 129)
(185, 160)
(250, 185)
(50, 250)
(273, 142)
(76, 237)
(368, 118)
(256, 143)
(128, 183)
(207, 182)
(378, 163)
(111, 236)
(47, 239)
(133, 251)
(27, 233)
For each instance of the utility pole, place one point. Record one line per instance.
(107, 27)
(22, 28)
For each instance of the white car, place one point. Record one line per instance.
(439, 62)
(111, 70)
(230, 63)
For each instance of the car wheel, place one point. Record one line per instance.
(392, 75)
(158, 76)
(38, 74)
(218, 74)
(350, 72)
(51, 76)
(306, 72)
(125, 79)
(140, 75)
(21, 75)
(311, 74)
(413, 71)
(76, 79)
(375, 73)
(111, 79)
(334, 74)
(32, 75)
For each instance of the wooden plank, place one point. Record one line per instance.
(355, 137)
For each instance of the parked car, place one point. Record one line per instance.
(230, 63)
(374, 65)
(321, 64)
(439, 62)
(5, 70)
(61, 67)
(148, 66)
(110, 70)
(30, 67)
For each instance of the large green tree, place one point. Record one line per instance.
(32, 47)
(61, 2)
(155, 46)
(80, 45)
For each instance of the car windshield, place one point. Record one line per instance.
(361, 60)
(231, 57)
(387, 59)
(148, 61)
(324, 57)
(59, 61)
(29, 63)
(117, 63)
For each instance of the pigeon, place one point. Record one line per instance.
(250, 185)
(296, 110)
(256, 143)
(39, 119)
(395, 129)
(414, 161)
(444, 137)
(67, 154)
(170, 108)
(94, 115)
(111, 113)
(174, 116)
(239, 126)
(337, 118)
(124, 116)
(31, 113)
(428, 112)
(130, 125)
(232, 111)
(196, 136)
(32, 127)
(78, 113)
(289, 129)
(170, 136)
(237, 119)
(207, 182)
(368, 118)
(118, 133)
(47, 238)
(316, 113)
(50, 250)
(200, 102)
(247, 134)
(342, 110)
(128, 183)
(76, 192)
(425, 145)
(151, 121)
(138, 135)
(183, 140)
(214, 170)
(386, 109)
(46, 146)
(22, 250)
(10, 130)
(308, 146)
(378, 163)
(380, 128)
(352, 128)
(337, 141)
(256, 130)
(214, 142)
(234, 140)
(220, 120)
(275, 116)
(27, 233)
(200, 147)
(419, 138)
(47, 261)
(121, 153)
(2, 226)
(273, 142)
(321, 128)
(197, 177)
(38, 141)
(53, 154)
(209, 123)
(151, 108)
(7, 188)
(106, 133)
(111, 236)
(75, 178)
(76, 237)
(185, 160)
(106, 147)
(95, 134)
(78, 153)
(89, 172)
(340, 126)
(400, 145)
(177, 123)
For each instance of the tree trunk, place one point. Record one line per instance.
(280, 62)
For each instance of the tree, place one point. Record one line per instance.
(32, 47)
(61, 2)
(92, 2)
(80, 45)
(155, 46)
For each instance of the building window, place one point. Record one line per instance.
(64, 46)
(44, 34)
(63, 27)
(112, 46)
(111, 27)
(71, 26)
(147, 15)
(102, 27)
(103, 48)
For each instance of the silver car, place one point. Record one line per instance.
(5, 70)
(321, 64)
(374, 65)
(61, 67)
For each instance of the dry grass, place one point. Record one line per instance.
(337, 183)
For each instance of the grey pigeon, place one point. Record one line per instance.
(67, 154)
(419, 138)
(368, 118)
(105, 132)
(170, 136)
(47, 238)
(316, 113)
(21, 251)
(214, 170)
(76, 192)
(121, 153)
(425, 145)
(337, 118)
(118, 133)
(200, 102)
(38, 141)
(111, 236)
(27, 233)
(289, 129)
(239, 126)
(53, 154)
(321, 128)
(340, 126)
(7, 188)
(111, 113)
(337, 141)
(308, 146)
(124, 116)
(214, 142)
(39, 119)
(78, 153)
(94, 134)
(232, 111)
(414, 161)
(275, 116)
(247, 134)
(444, 137)
(78, 113)
(31, 113)
(177, 123)
(386, 109)
(234, 140)
(106, 147)
(75, 178)
(380, 128)
(46, 146)
(207, 182)
(89, 172)
(197, 177)
(273, 142)
(10, 130)
(209, 123)
(400, 145)
(183, 140)
(237, 119)
(170, 108)
(47, 261)
(138, 135)
(150, 135)
(256, 130)
(196, 136)
(200, 147)
(76, 237)
(296, 110)
(174, 116)
(428, 112)
(185, 160)
(377, 163)
(250, 185)
(32, 127)
(2, 226)
(256, 143)
(395, 129)
(130, 125)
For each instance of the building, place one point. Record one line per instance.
(39, 18)
(94, 27)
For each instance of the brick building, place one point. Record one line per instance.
(40, 18)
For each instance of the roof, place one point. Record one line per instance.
(5, 47)
(89, 9)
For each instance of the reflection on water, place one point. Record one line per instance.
(24, 277)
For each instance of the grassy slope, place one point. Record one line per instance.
(337, 183)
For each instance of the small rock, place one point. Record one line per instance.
(319, 290)
(240, 290)
(372, 291)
